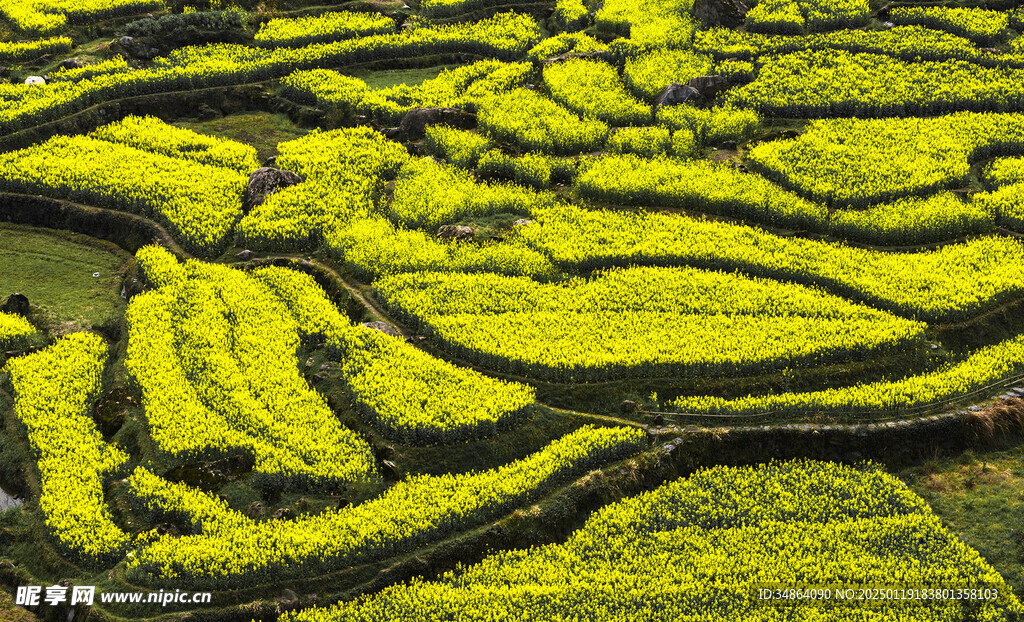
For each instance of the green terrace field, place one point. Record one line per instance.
(537, 310)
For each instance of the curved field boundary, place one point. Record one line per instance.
(175, 104)
(877, 417)
(128, 231)
(555, 515)
(806, 234)
(894, 443)
(337, 282)
(131, 232)
(171, 104)
(490, 11)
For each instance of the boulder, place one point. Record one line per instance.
(672, 447)
(727, 13)
(138, 49)
(675, 94)
(594, 54)
(168, 529)
(383, 327)
(245, 255)
(206, 113)
(390, 470)
(708, 86)
(729, 145)
(255, 510)
(16, 304)
(628, 406)
(414, 123)
(70, 63)
(283, 514)
(271, 162)
(131, 287)
(522, 222)
(659, 420)
(264, 182)
(35, 81)
(459, 233)
(287, 601)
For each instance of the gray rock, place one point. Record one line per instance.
(245, 255)
(205, 113)
(414, 123)
(383, 327)
(708, 86)
(7, 501)
(459, 233)
(287, 601)
(603, 55)
(675, 94)
(137, 49)
(283, 514)
(167, 529)
(390, 470)
(265, 181)
(672, 447)
(70, 63)
(255, 510)
(629, 406)
(727, 13)
(522, 222)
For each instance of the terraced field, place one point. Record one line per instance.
(477, 310)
